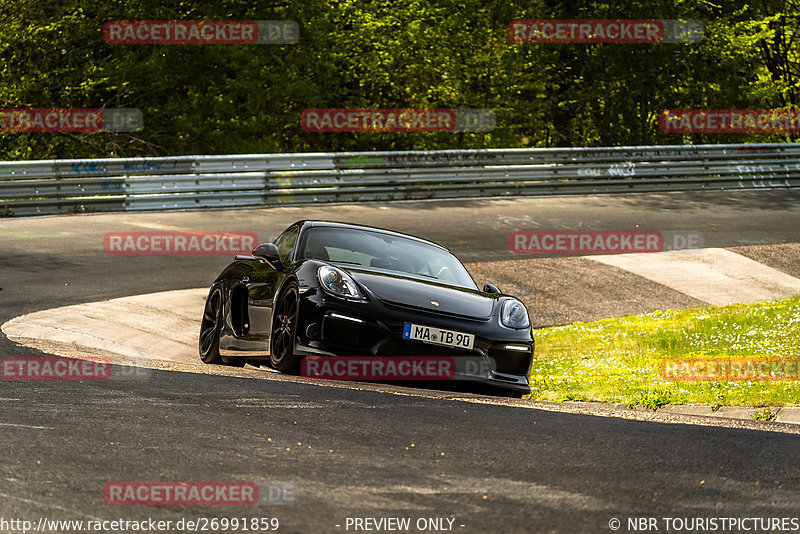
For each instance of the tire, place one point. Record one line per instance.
(493, 391)
(210, 327)
(510, 394)
(284, 330)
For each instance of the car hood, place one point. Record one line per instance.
(414, 293)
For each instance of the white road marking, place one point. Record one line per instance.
(28, 426)
(50, 505)
(162, 227)
(713, 275)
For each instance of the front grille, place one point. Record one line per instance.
(350, 334)
(417, 310)
(511, 362)
(404, 347)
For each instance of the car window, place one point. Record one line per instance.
(379, 251)
(286, 242)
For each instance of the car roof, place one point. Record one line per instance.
(335, 224)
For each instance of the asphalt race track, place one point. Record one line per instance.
(366, 453)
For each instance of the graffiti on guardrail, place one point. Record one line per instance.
(762, 176)
(443, 159)
(635, 152)
(622, 169)
(112, 185)
(416, 158)
(615, 169)
(145, 165)
(135, 184)
(758, 183)
(88, 167)
(365, 160)
(748, 149)
(95, 167)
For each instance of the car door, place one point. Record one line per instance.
(264, 283)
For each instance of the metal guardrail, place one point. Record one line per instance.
(184, 182)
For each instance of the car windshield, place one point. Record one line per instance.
(385, 252)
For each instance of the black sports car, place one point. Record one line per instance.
(332, 289)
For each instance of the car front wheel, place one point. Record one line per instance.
(284, 328)
(210, 328)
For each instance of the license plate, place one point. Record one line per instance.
(438, 336)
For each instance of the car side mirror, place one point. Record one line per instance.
(491, 288)
(269, 253)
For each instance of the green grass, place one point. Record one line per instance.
(617, 360)
(764, 415)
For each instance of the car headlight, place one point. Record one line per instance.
(514, 314)
(337, 282)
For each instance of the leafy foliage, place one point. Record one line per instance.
(217, 99)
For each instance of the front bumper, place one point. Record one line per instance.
(330, 326)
